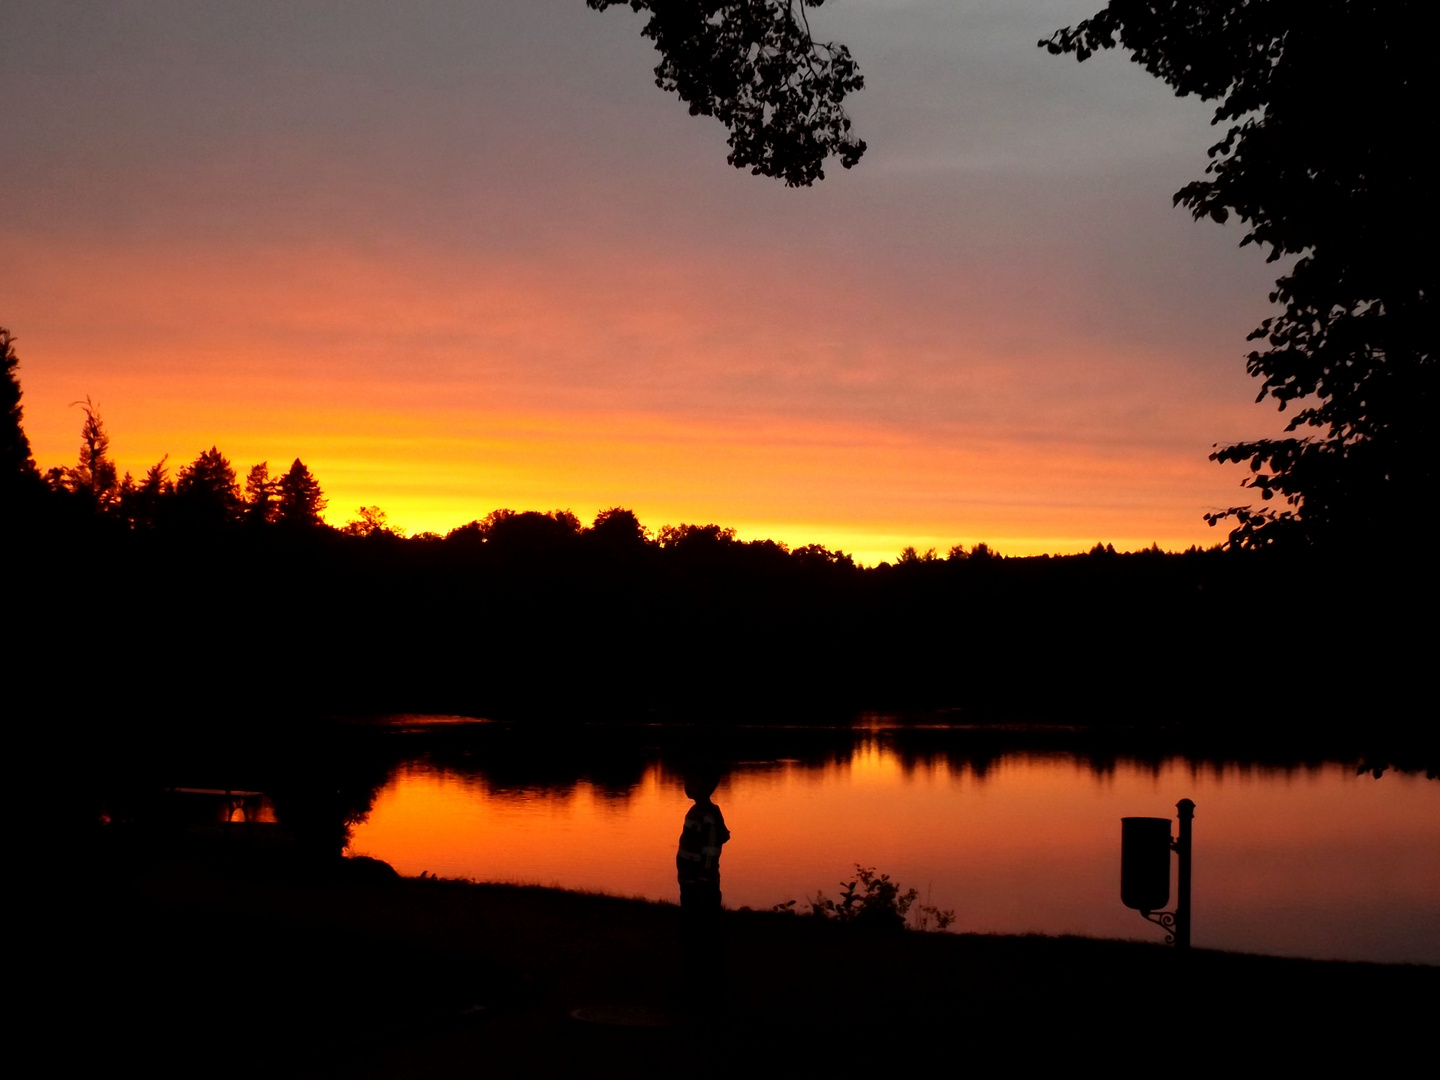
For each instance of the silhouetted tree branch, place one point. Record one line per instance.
(754, 66)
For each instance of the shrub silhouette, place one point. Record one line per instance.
(873, 902)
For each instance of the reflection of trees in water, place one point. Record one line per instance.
(511, 760)
(1102, 752)
(520, 761)
(322, 778)
(321, 781)
(613, 760)
(319, 797)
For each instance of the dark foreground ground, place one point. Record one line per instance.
(247, 963)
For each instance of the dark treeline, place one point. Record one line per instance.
(197, 595)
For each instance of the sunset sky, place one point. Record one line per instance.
(463, 254)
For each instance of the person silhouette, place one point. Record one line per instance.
(697, 866)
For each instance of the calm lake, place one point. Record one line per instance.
(1302, 861)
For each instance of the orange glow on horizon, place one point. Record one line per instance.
(537, 388)
(768, 480)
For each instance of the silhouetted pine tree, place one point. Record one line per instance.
(301, 499)
(260, 491)
(140, 504)
(18, 476)
(94, 476)
(206, 495)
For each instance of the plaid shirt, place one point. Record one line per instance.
(698, 857)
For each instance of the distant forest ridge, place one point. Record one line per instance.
(207, 494)
(197, 593)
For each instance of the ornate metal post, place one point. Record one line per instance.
(1186, 809)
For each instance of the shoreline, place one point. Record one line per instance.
(349, 968)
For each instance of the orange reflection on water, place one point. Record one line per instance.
(1316, 862)
(430, 820)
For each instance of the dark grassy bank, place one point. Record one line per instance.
(201, 963)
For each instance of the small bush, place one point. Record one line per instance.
(873, 902)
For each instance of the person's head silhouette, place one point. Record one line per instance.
(701, 782)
